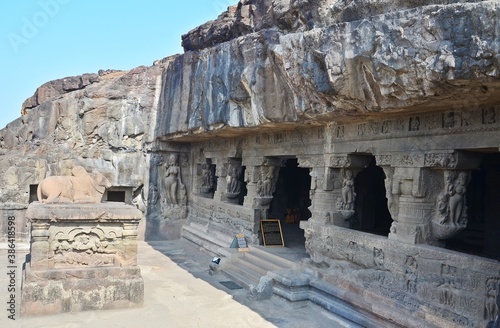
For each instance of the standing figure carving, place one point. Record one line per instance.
(172, 180)
(348, 194)
(265, 185)
(451, 214)
(207, 179)
(456, 192)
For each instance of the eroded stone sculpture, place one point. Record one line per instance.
(451, 215)
(172, 180)
(79, 187)
(173, 194)
(207, 179)
(233, 180)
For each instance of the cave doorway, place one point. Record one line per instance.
(371, 211)
(482, 234)
(291, 200)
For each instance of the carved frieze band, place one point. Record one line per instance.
(441, 160)
(435, 123)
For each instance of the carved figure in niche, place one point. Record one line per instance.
(233, 179)
(414, 123)
(442, 206)
(411, 274)
(378, 257)
(456, 192)
(265, 185)
(490, 305)
(449, 120)
(448, 276)
(207, 180)
(80, 187)
(352, 250)
(489, 115)
(348, 194)
(172, 180)
(451, 214)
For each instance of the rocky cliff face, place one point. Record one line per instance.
(100, 121)
(309, 61)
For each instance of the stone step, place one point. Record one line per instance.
(274, 260)
(212, 242)
(324, 294)
(247, 262)
(259, 263)
(241, 276)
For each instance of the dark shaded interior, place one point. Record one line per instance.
(482, 235)
(33, 194)
(244, 190)
(116, 196)
(291, 201)
(371, 211)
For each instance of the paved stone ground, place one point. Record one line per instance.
(179, 292)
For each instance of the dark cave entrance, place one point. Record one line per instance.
(291, 201)
(371, 211)
(482, 234)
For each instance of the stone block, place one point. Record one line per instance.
(82, 257)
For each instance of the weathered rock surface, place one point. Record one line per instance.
(105, 125)
(386, 57)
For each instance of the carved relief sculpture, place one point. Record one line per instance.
(265, 185)
(490, 305)
(346, 203)
(80, 187)
(411, 274)
(233, 180)
(451, 213)
(171, 180)
(207, 179)
(174, 203)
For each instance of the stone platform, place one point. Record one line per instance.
(82, 257)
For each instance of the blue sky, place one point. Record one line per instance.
(43, 40)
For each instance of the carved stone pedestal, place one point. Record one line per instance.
(82, 257)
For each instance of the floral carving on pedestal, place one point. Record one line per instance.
(451, 213)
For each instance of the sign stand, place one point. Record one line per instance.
(240, 243)
(272, 235)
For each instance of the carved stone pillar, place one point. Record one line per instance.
(407, 184)
(340, 176)
(40, 245)
(260, 176)
(221, 173)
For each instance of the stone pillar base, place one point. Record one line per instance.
(73, 290)
(82, 257)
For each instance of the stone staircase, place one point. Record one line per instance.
(213, 241)
(298, 286)
(246, 268)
